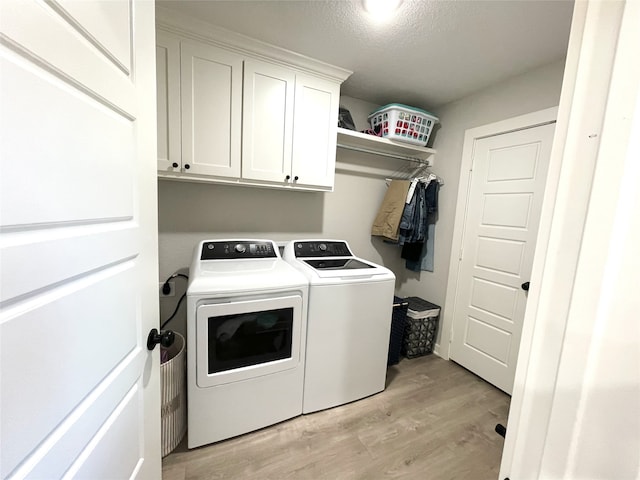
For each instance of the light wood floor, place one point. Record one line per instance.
(435, 420)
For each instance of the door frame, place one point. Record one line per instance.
(472, 135)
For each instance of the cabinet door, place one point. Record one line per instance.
(315, 131)
(211, 110)
(168, 101)
(268, 122)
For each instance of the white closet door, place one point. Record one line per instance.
(503, 211)
(268, 122)
(79, 391)
(211, 110)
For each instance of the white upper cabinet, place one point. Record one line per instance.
(315, 131)
(211, 98)
(267, 126)
(235, 111)
(168, 101)
(289, 126)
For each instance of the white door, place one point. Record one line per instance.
(78, 241)
(503, 209)
(211, 95)
(267, 122)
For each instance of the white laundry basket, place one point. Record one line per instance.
(403, 123)
(174, 395)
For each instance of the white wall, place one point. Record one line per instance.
(190, 212)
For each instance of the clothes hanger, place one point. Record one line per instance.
(415, 175)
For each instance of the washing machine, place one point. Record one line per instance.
(350, 308)
(246, 331)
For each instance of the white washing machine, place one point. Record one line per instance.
(246, 331)
(350, 308)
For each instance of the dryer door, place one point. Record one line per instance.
(247, 338)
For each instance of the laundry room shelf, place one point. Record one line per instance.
(361, 142)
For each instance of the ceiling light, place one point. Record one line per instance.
(381, 10)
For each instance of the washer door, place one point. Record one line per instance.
(246, 339)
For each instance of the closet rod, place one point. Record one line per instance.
(383, 154)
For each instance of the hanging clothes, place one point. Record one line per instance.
(427, 206)
(426, 260)
(410, 222)
(407, 216)
(388, 219)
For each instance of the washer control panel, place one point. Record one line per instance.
(224, 250)
(322, 249)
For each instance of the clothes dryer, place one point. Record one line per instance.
(246, 330)
(350, 308)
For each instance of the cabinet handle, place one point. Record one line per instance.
(174, 165)
(187, 166)
(295, 179)
(287, 178)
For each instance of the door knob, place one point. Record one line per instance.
(525, 286)
(175, 165)
(165, 338)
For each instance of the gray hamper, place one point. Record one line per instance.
(420, 328)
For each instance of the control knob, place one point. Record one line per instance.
(240, 248)
(322, 247)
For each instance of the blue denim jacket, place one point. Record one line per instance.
(413, 226)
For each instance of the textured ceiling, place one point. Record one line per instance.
(431, 53)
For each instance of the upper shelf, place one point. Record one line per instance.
(361, 142)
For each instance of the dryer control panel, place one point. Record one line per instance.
(235, 249)
(322, 249)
